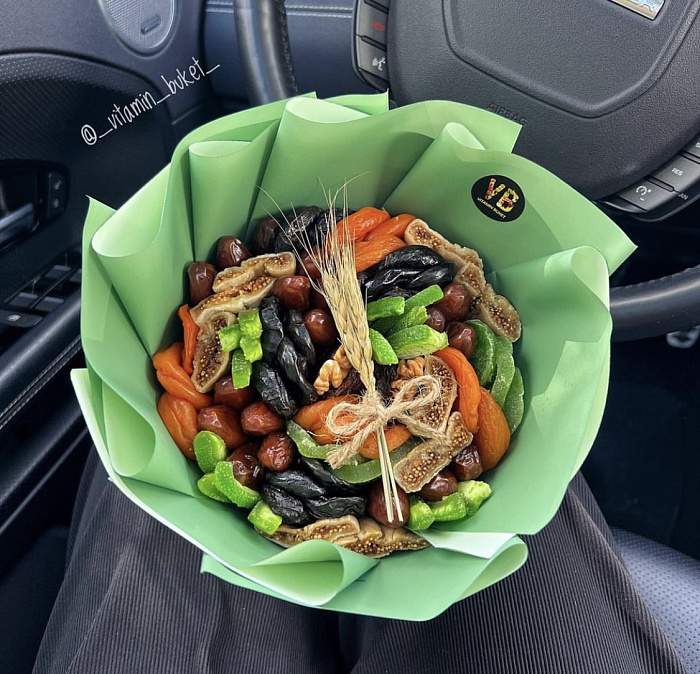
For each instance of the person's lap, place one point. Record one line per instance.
(133, 600)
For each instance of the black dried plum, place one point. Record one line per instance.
(295, 367)
(296, 483)
(289, 508)
(384, 375)
(295, 328)
(293, 229)
(384, 280)
(411, 257)
(440, 275)
(396, 291)
(337, 506)
(269, 383)
(324, 477)
(273, 332)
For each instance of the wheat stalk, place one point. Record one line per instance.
(335, 259)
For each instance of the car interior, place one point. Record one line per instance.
(95, 95)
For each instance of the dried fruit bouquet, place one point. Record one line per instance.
(544, 247)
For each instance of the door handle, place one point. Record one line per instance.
(17, 222)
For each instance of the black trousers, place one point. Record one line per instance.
(133, 601)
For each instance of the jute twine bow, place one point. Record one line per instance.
(359, 420)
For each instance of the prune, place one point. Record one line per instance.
(273, 332)
(276, 452)
(321, 327)
(230, 252)
(455, 303)
(295, 367)
(201, 278)
(376, 506)
(462, 337)
(440, 485)
(269, 383)
(223, 421)
(384, 280)
(467, 464)
(384, 375)
(296, 483)
(225, 393)
(246, 467)
(294, 327)
(435, 319)
(259, 419)
(264, 236)
(325, 478)
(438, 275)
(395, 291)
(293, 229)
(411, 257)
(289, 508)
(351, 384)
(326, 507)
(293, 292)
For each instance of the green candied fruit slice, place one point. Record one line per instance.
(419, 340)
(424, 298)
(263, 519)
(252, 348)
(209, 449)
(449, 508)
(372, 470)
(420, 515)
(207, 485)
(231, 488)
(230, 337)
(306, 445)
(484, 358)
(385, 307)
(505, 370)
(249, 320)
(415, 316)
(474, 493)
(382, 352)
(514, 405)
(241, 369)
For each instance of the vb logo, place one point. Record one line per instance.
(498, 197)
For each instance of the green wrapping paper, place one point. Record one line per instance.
(552, 262)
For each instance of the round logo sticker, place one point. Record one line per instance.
(498, 197)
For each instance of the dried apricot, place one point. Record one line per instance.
(493, 437)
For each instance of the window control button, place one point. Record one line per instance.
(58, 271)
(680, 173)
(18, 319)
(23, 300)
(694, 148)
(372, 60)
(49, 303)
(646, 195)
(371, 23)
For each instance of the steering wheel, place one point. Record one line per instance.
(431, 39)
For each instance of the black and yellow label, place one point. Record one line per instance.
(499, 197)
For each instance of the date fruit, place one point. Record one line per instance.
(462, 337)
(376, 506)
(223, 421)
(260, 419)
(201, 277)
(230, 252)
(321, 327)
(455, 302)
(293, 291)
(467, 464)
(276, 452)
(441, 485)
(225, 393)
(246, 467)
(436, 319)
